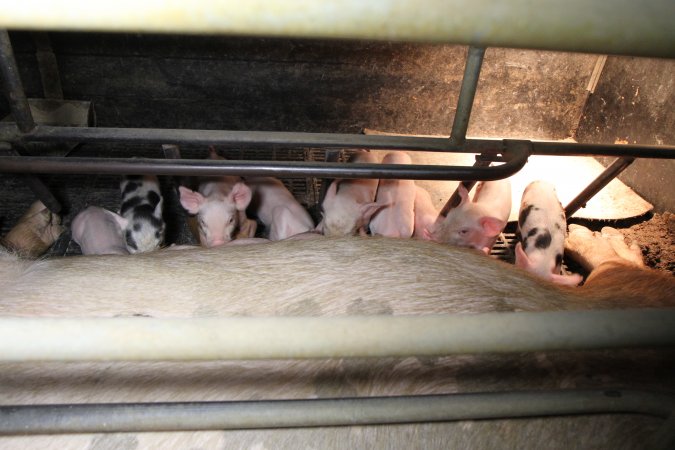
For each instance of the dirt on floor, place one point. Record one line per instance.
(656, 238)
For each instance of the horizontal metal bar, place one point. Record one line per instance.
(225, 137)
(60, 339)
(138, 417)
(581, 149)
(204, 167)
(42, 133)
(597, 26)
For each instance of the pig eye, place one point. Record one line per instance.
(463, 231)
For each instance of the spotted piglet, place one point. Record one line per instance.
(542, 230)
(142, 205)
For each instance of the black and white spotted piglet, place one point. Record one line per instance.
(142, 205)
(542, 229)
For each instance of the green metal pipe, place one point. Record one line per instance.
(155, 339)
(643, 28)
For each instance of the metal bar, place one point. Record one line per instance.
(225, 137)
(39, 188)
(617, 150)
(12, 86)
(188, 416)
(454, 199)
(205, 167)
(474, 61)
(42, 133)
(332, 156)
(595, 26)
(48, 67)
(596, 185)
(60, 339)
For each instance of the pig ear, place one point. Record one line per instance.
(368, 210)
(522, 260)
(491, 225)
(190, 200)
(463, 194)
(567, 280)
(331, 193)
(241, 196)
(121, 221)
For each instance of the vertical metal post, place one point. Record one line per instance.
(596, 185)
(474, 61)
(48, 66)
(18, 103)
(12, 85)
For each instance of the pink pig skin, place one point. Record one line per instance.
(425, 214)
(397, 218)
(276, 207)
(476, 223)
(217, 204)
(99, 232)
(350, 204)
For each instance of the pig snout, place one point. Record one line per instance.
(541, 229)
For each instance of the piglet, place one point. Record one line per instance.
(425, 214)
(350, 204)
(35, 231)
(476, 223)
(100, 232)
(275, 206)
(542, 230)
(142, 207)
(397, 219)
(218, 204)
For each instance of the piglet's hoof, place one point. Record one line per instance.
(590, 249)
(632, 254)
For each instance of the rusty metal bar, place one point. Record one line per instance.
(474, 61)
(596, 185)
